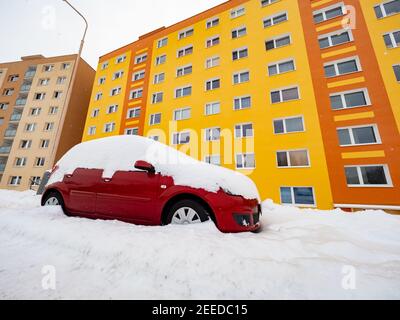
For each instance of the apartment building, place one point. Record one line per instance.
(302, 96)
(38, 120)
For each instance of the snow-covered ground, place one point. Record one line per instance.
(299, 254)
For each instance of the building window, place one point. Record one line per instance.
(185, 51)
(132, 131)
(4, 106)
(212, 23)
(44, 144)
(331, 12)
(133, 113)
(212, 62)
(8, 92)
(284, 95)
(182, 114)
(396, 70)
(239, 32)
(35, 111)
(92, 131)
(277, 42)
(241, 77)
(183, 92)
(360, 135)
(20, 162)
(213, 41)
(135, 94)
(341, 67)
(240, 54)
(213, 134)
(213, 159)
(387, 9)
(185, 33)
(281, 67)
(213, 84)
(48, 126)
(112, 109)
(275, 19)
(57, 94)
(65, 66)
(109, 127)
(244, 130)
(369, 175)
(102, 80)
(53, 110)
(157, 97)
(138, 75)
(48, 68)
(292, 159)
(155, 119)
(95, 113)
(104, 65)
(44, 82)
(39, 162)
(392, 39)
(303, 196)
(120, 59)
(242, 103)
(183, 71)
(115, 91)
(162, 42)
(61, 80)
(237, 12)
(289, 125)
(245, 161)
(159, 78)
(35, 181)
(350, 99)
(118, 75)
(161, 59)
(141, 58)
(25, 144)
(98, 96)
(15, 180)
(13, 78)
(30, 127)
(267, 2)
(181, 138)
(335, 38)
(212, 108)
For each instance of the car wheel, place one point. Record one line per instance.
(187, 212)
(54, 199)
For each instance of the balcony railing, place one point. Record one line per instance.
(10, 133)
(15, 117)
(5, 150)
(2, 167)
(25, 88)
(20, 102)
(29, 74)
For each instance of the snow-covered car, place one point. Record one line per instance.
(142, 181)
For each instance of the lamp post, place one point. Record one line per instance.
(46, 175)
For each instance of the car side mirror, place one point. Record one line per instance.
(145, 166)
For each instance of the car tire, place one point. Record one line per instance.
(54, 199)
(187, 212)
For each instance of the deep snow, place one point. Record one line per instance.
(299, 254)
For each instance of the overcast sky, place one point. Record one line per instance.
(51, 28)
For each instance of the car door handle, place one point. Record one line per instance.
(107, 180)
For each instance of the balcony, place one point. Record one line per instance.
(25, 88)
(20, 102)
(16, 117)
(30, 74)
(10, 133)
(2, 167)
(5, 149)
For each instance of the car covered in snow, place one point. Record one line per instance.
(141, 181)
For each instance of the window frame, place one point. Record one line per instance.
(294, 204)
(335, 63)
(243, 158)
(344, 102)
(360, 177)
(290, 166)
(352, 138)
(285, 125)
(335, 33)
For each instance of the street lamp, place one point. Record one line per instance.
(46, 175)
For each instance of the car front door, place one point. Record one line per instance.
(129, 195)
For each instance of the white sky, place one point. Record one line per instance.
(51, 27)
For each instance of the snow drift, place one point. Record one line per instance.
(120, 153)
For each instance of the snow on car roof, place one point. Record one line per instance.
(119, 153)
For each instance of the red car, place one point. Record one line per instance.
(147, 197)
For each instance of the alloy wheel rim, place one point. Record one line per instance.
(185, 215)
(53, 201)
